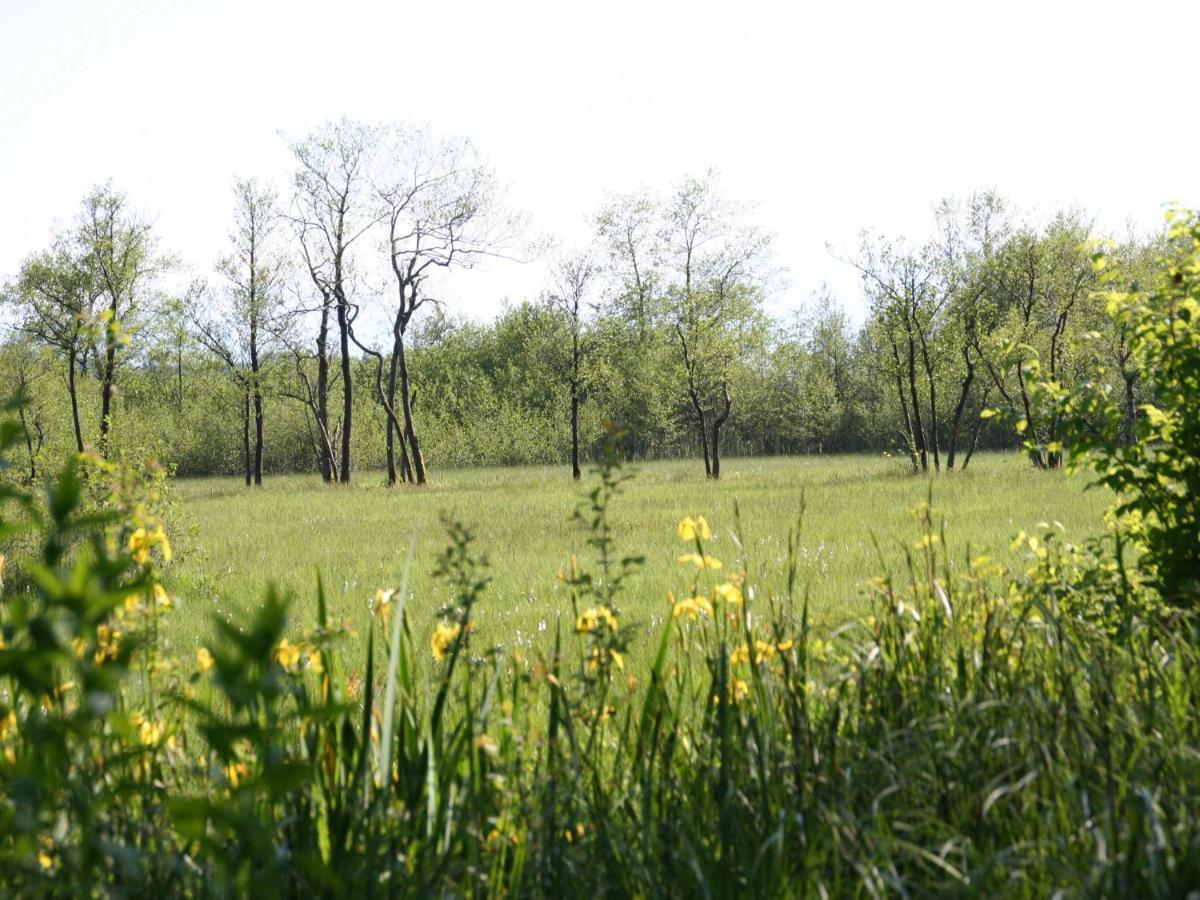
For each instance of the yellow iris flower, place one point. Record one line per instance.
(690, 529)
(443, 639)
(700, 561)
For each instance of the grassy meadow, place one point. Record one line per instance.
(232, 542)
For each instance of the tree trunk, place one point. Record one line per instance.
(246, 431)
(959, 408)
(258, 436)
(410, 432)
(978, 428)
(575, 472)
(908, 426)
(106, 392)
(328, 471)
(703, 426)
(918, 426)
(718, 423)
(73, 391)
(933, 416)
(343, 314)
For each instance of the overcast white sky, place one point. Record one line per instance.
(831, 116)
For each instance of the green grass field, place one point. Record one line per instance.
(232, 542)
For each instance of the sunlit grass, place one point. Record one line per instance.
(233, 542)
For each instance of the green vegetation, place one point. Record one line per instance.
(975, 728)
(230, 544)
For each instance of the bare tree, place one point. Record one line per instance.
(442, 209)
(332, 210)
(573, 277)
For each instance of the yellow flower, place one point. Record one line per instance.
(593, 616)
(763, 652)
(151, 733)
(740, 655)
(693, 608)
(141, 542)
(738, 690)
(8, 725)
(785, 646)
(730, 593)
(287, 654)
(3, 558)
(690, 529)
(204, 659)
(443, 638)
(382, 606)
(314, 660)
(236, 772)
(700, 561)
(161, 597)
(45, 860)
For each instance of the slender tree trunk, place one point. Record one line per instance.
(255, 379)
(933, 416)
(246, 431)
(73, 391)
(410, 432)
(106, 392)
(393, 431)
(906, 418)
(918, 426)
(343, 314)
(258, 436)
(978, 428)
(718, 423)
(575, 472)
(328, 470)
(959, 408)
(702, 424)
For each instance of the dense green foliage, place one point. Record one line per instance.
(983, 731)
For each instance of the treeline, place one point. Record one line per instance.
(319, 343)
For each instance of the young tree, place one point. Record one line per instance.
(714, 299)
(57, 295)
(117, 248)
(240, 333)
(332, 210)
(573, 277)
(901, 285)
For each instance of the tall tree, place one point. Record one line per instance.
(715, 295)
(573, 277)
(118, 249)
(333, 209)
(58, 295)
(240, 332)
(442, 206)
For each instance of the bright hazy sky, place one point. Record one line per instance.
(831, 116)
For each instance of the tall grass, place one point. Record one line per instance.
(980, 731)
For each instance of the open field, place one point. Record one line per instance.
(233, 542)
